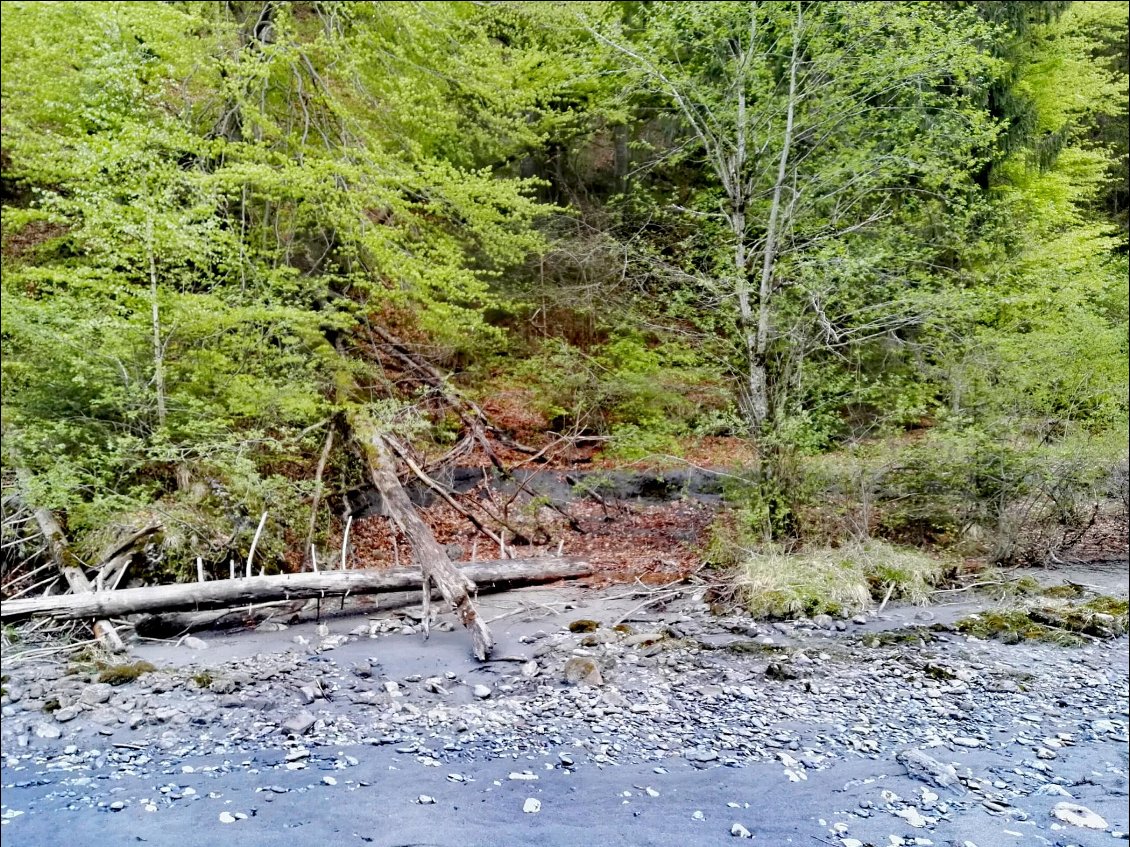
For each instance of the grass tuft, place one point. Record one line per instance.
(834, 581)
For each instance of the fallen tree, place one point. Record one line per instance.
(175, 624)
(113, 565)
(494, 575)
(435, 566)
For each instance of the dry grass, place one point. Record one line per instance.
(834, 581)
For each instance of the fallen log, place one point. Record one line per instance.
(70, 568)
(176, 624)
(432, 559)
(496, 575)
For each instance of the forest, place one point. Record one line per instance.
(859, 269)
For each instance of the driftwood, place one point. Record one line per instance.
(116, 560)
(499, 575)
(71, 570)
(432, 559)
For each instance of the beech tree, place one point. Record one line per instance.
(818, 124)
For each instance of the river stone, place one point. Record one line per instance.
(700, 755)
(1077, 815)
(928, 769)
(193, 643)
(300, 724)
(581, 670)
(100, 692)
(68, 713)
(223, 685)
(643, 638)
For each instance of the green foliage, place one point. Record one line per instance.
(221, 212)
(202, 220)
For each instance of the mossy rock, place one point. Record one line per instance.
(1061, 623)
(581, 670)
(584, 625)
(202, 679)
(1116, 606)
(1027, 586)
(121, 674)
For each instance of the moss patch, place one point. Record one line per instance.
(1062, 623)
(1066, 591)
(121, 674)
(916, 636)
(202, 679)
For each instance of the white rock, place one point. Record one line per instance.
(739, 831)
(193, 643)
(697, 815)
(1077, 815)
(913, 817)
(425, 800)
(532, 806)
(227, 817)
(851, 842)
(523, 775)
(481, 691)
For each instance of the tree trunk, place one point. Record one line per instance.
(758, 371)
(429, 556)
(158, 350)
(500, 575)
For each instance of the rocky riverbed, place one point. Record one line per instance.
(604, 719)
